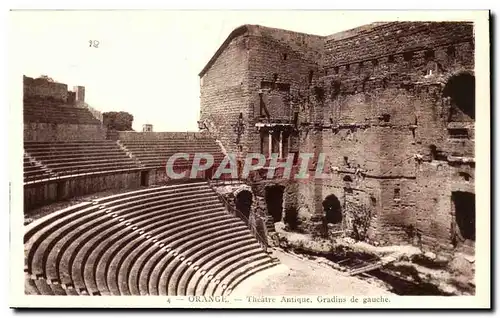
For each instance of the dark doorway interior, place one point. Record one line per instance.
(333, 209)
(461, 89)
(243, 202)
(144, 178)
(465, 214)
(274, 201)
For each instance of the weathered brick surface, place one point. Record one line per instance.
(42, 88)
(308, 46)
(287, 76)
(161, 135)
(225, 93)
(395, 38)
(62, 132)
(374, 100)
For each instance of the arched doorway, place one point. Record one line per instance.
(461, 89)
(274, 201)
(243, 202)
(332, 209)
(464, 204)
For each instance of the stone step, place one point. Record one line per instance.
(172, 240)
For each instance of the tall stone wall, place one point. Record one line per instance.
(434, 214)
(308, 46)
(387, 111)
(278, 76)
(394, 39)
(225, 93)
(385, 103)
(257, 74)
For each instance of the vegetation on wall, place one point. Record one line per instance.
(121, 121)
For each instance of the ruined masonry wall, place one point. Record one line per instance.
(361, 88)
(371, 99)
(225, 93)
(273, 62)
(395, 38)
(42, 88)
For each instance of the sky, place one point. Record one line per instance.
(147, 62)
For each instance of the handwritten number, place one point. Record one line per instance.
(93, 43)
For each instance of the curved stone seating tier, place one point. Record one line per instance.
(32, 171)
(67, 143)
(154, 153)
(183, 270)
(238, 277)
(170, 240)
(219, 251)
(69, 158)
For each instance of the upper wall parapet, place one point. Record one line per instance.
(354, 32)
(394, 38)
(391, 43)
(309, 46)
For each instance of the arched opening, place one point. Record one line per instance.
(461, 89)
(464, 204)
(274, 201)
(333, 209)
(243, 202)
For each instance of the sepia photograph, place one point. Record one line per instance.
(249, 159)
